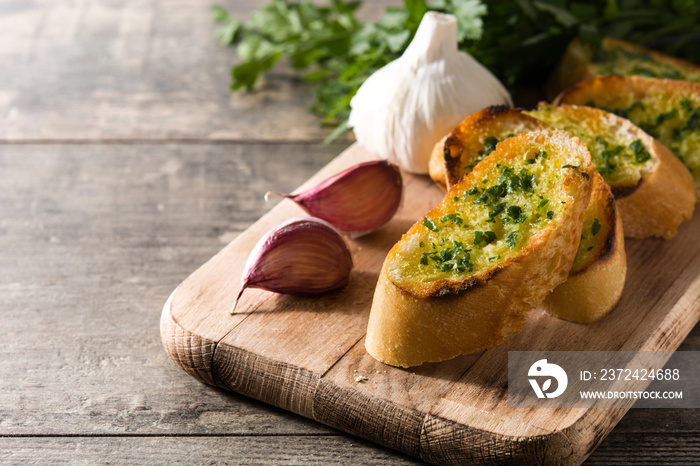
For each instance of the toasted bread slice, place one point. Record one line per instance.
(645, 177)
(654, 190)
(666, 109)
(475, 138)
(606, 245)
(465, 276)
(616, 58)
(597, 277)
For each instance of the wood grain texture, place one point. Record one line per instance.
(93, 238)
(113, 70)
(196, 360)
(138, 70)
(313, 349)
(225, 450)
(679, 449)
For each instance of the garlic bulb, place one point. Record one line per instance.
(303, 256)
(403, 109)
(357, 200)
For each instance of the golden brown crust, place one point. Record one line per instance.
(655, 206)
(590, 295)
(594, 288)
(575, 65)
(607, 92)
(436, 165)
(680, 63)
(409, 325)
(664, 198)
(459, 147)
(603, 207)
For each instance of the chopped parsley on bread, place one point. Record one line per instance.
(666, 109)
(465, 276)
(597, 277)
(616, 57)
(474, 139)
(654, 191)
(603, 236)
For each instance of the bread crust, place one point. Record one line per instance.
(662, 201)
(445, 166)
(436, 164)
(410, 325)
(576, 64)
(594, 289)
(606, 91)
(656, 206)
(664, 198)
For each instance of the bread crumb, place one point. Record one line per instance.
(360, 378)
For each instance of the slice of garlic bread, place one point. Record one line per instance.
(601, 214)
(666, 109)
(465, 275)
(615, 57)
(475, 138)
(597, 277)
(654, 191)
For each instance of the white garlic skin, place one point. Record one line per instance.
(402, 110)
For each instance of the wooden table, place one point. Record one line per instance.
(125, 164)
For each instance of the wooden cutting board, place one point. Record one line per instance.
(307, 355)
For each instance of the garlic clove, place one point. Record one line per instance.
(303, 256)
(357, 200)
(404, 108)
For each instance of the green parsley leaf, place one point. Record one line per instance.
(520, 41)
(512, 239)
(429, 224)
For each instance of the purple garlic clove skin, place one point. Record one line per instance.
(356, 201)
(303, 256)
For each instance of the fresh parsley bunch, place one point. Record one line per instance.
(336, 49)
(520, 41)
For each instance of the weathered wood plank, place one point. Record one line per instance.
(93, 240)
(281, 349)
(651, 431)
(625, 449)
(268, 450)
(133, 70)
(648, 448)
(137, 70)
